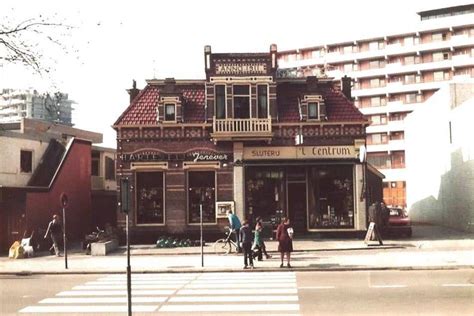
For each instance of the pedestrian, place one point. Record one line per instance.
(284, 235)
(385, 215)
(259, 244)
(234, 226)
(55, 229)
(246, 238)
(375, 218)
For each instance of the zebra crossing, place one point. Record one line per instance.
(231, 293)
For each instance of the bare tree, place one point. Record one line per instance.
(25, 42)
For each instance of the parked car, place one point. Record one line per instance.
(398, 222)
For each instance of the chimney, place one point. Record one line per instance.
(273, 53)
(170, 85)
(207, 57)
(312, 84)
(346, 83)
(134, 91)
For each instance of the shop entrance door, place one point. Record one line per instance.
(297, 206)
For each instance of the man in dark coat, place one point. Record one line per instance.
(55, 229)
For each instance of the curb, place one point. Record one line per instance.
(233, 270)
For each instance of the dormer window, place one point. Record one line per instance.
(169, 109)
(313, 108)
(170, 112)
(313, 111)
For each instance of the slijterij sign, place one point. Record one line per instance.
(303, 152)
(241, 69)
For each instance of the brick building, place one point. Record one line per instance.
(246, 140)
(41, 161)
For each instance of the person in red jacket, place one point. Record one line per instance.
(284, 235)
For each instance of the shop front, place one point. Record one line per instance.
(318, 193)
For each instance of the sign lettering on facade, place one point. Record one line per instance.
(304, 152)
(150, 156)
(241, 69)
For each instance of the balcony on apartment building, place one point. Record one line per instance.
(241, 128)
(399, 87)
(388, 49)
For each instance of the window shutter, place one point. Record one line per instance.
(322, 111)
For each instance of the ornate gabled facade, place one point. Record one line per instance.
(247, 140)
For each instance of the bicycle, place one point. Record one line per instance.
(224, 246)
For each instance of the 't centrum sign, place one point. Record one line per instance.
(303, 152)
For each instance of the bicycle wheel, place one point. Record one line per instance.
(222, 247)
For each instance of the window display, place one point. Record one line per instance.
(201, 189)
(330, 197)
(150, 198)
(264, 193)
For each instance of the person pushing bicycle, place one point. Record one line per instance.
(234, 225)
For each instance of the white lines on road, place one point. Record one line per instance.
(388, 286)
(457, 285)
(224, 293)
(322, 287)
(88, 309)
(236, 291)
(124, 287)
(240, 285)
(114, 293)
(241, 298)
(94, 300)
(230, 307)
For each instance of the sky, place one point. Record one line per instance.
(114, 42)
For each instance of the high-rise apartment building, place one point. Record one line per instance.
(18, 104)
(391, 75)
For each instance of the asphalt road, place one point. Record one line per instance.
(443, 292)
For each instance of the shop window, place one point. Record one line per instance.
(331, 197)
(170, 112)
(313, 111)
(241, 101)
(220, 101)
(150, 199)
(95, 163)
(26, 161)
(262, 101)
(265, 193)
(201, 190)
(109, 169)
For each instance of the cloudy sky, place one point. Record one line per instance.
(115, 42)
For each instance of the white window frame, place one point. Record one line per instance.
(242, 95)
(317, 111)
(197, 169)
(165, 105)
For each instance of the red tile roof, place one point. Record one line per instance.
(338, 107)
(142, 111)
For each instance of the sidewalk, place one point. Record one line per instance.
(453, 251)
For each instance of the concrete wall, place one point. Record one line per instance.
(440, 159)
(10, 174)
